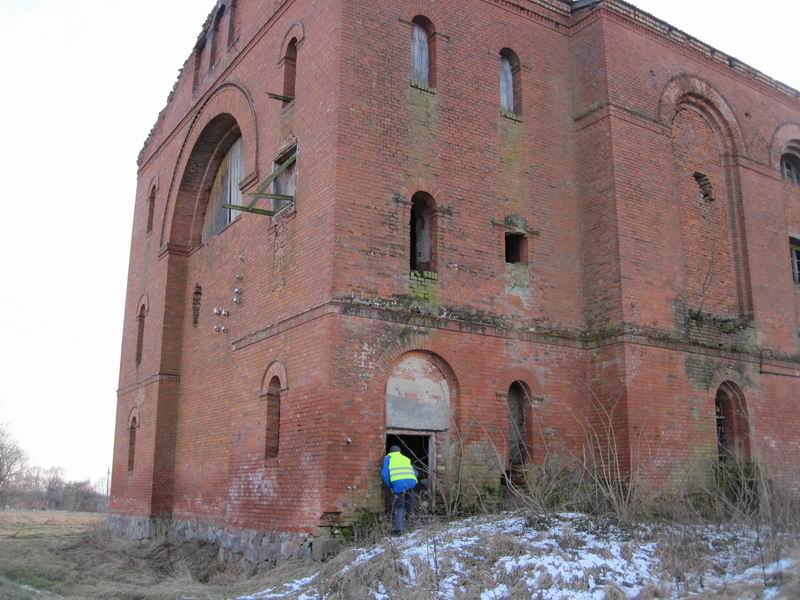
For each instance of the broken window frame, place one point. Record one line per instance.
(264, 191)
(790, 168)
(794, 250)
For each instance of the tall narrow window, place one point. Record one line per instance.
(273, 432)
(216, 38)
(286, 182)
(733, 431)
(225, 190)
(516, 424)
(199, 52)
(790, 168)
(151, 209)
(290, 72)
(794, 247)
(140, 334)
(510, 82)
(132, 442)
(423, 233)
(423, 46)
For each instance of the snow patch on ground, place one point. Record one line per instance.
(567, 556)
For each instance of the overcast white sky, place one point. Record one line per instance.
(83, 83)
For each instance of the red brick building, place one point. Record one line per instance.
(489, 215)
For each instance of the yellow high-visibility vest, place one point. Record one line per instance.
(400, 468)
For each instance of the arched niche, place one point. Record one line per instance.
(686, 98)
(419, 393)
(732, 423)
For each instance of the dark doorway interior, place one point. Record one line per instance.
(417, 448)
(414, 447)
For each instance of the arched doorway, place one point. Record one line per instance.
(732, 424)
(418, 410)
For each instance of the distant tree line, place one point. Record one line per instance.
(34, 488)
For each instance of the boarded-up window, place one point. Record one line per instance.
(140, 334)
(290, 71)
(790, 168)
(423, 233)
(273, 432)
(510, 82)
(225, 190)
(423, 52)
(151, 209)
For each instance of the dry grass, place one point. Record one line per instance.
(72, 555)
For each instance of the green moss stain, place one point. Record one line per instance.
(513, 183)
(423, 117)
(424, 286)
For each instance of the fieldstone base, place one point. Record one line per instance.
(245, 546)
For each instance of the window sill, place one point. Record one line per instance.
(511, 116)
(422, 87)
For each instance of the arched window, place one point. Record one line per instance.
(216, 37)
(517, 451)
(510, 82)
(225, 190)
(733, 430)
(790, 168)
(140, 333)
(423, 233)
(290, 71)
(199, 52)
(132, 426)
(423, 52)
(151, 209)
(273, 432)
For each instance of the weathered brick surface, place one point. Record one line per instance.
(637, 295)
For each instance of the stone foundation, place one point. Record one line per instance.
(248, 546)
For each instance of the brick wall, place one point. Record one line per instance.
(637, 293)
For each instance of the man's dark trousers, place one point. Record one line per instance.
(402, 507)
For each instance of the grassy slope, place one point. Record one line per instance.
(72, 555)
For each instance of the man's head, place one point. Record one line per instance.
(394, 449)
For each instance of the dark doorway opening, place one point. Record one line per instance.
(418, 449)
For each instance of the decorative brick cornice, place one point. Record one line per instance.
(465, 321)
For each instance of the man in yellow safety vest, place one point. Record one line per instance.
(401, 477)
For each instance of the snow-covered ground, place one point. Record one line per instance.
(566, 556)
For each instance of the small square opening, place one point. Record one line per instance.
(516, 248)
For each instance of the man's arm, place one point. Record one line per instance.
(385, 472)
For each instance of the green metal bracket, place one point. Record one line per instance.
(261, 192)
